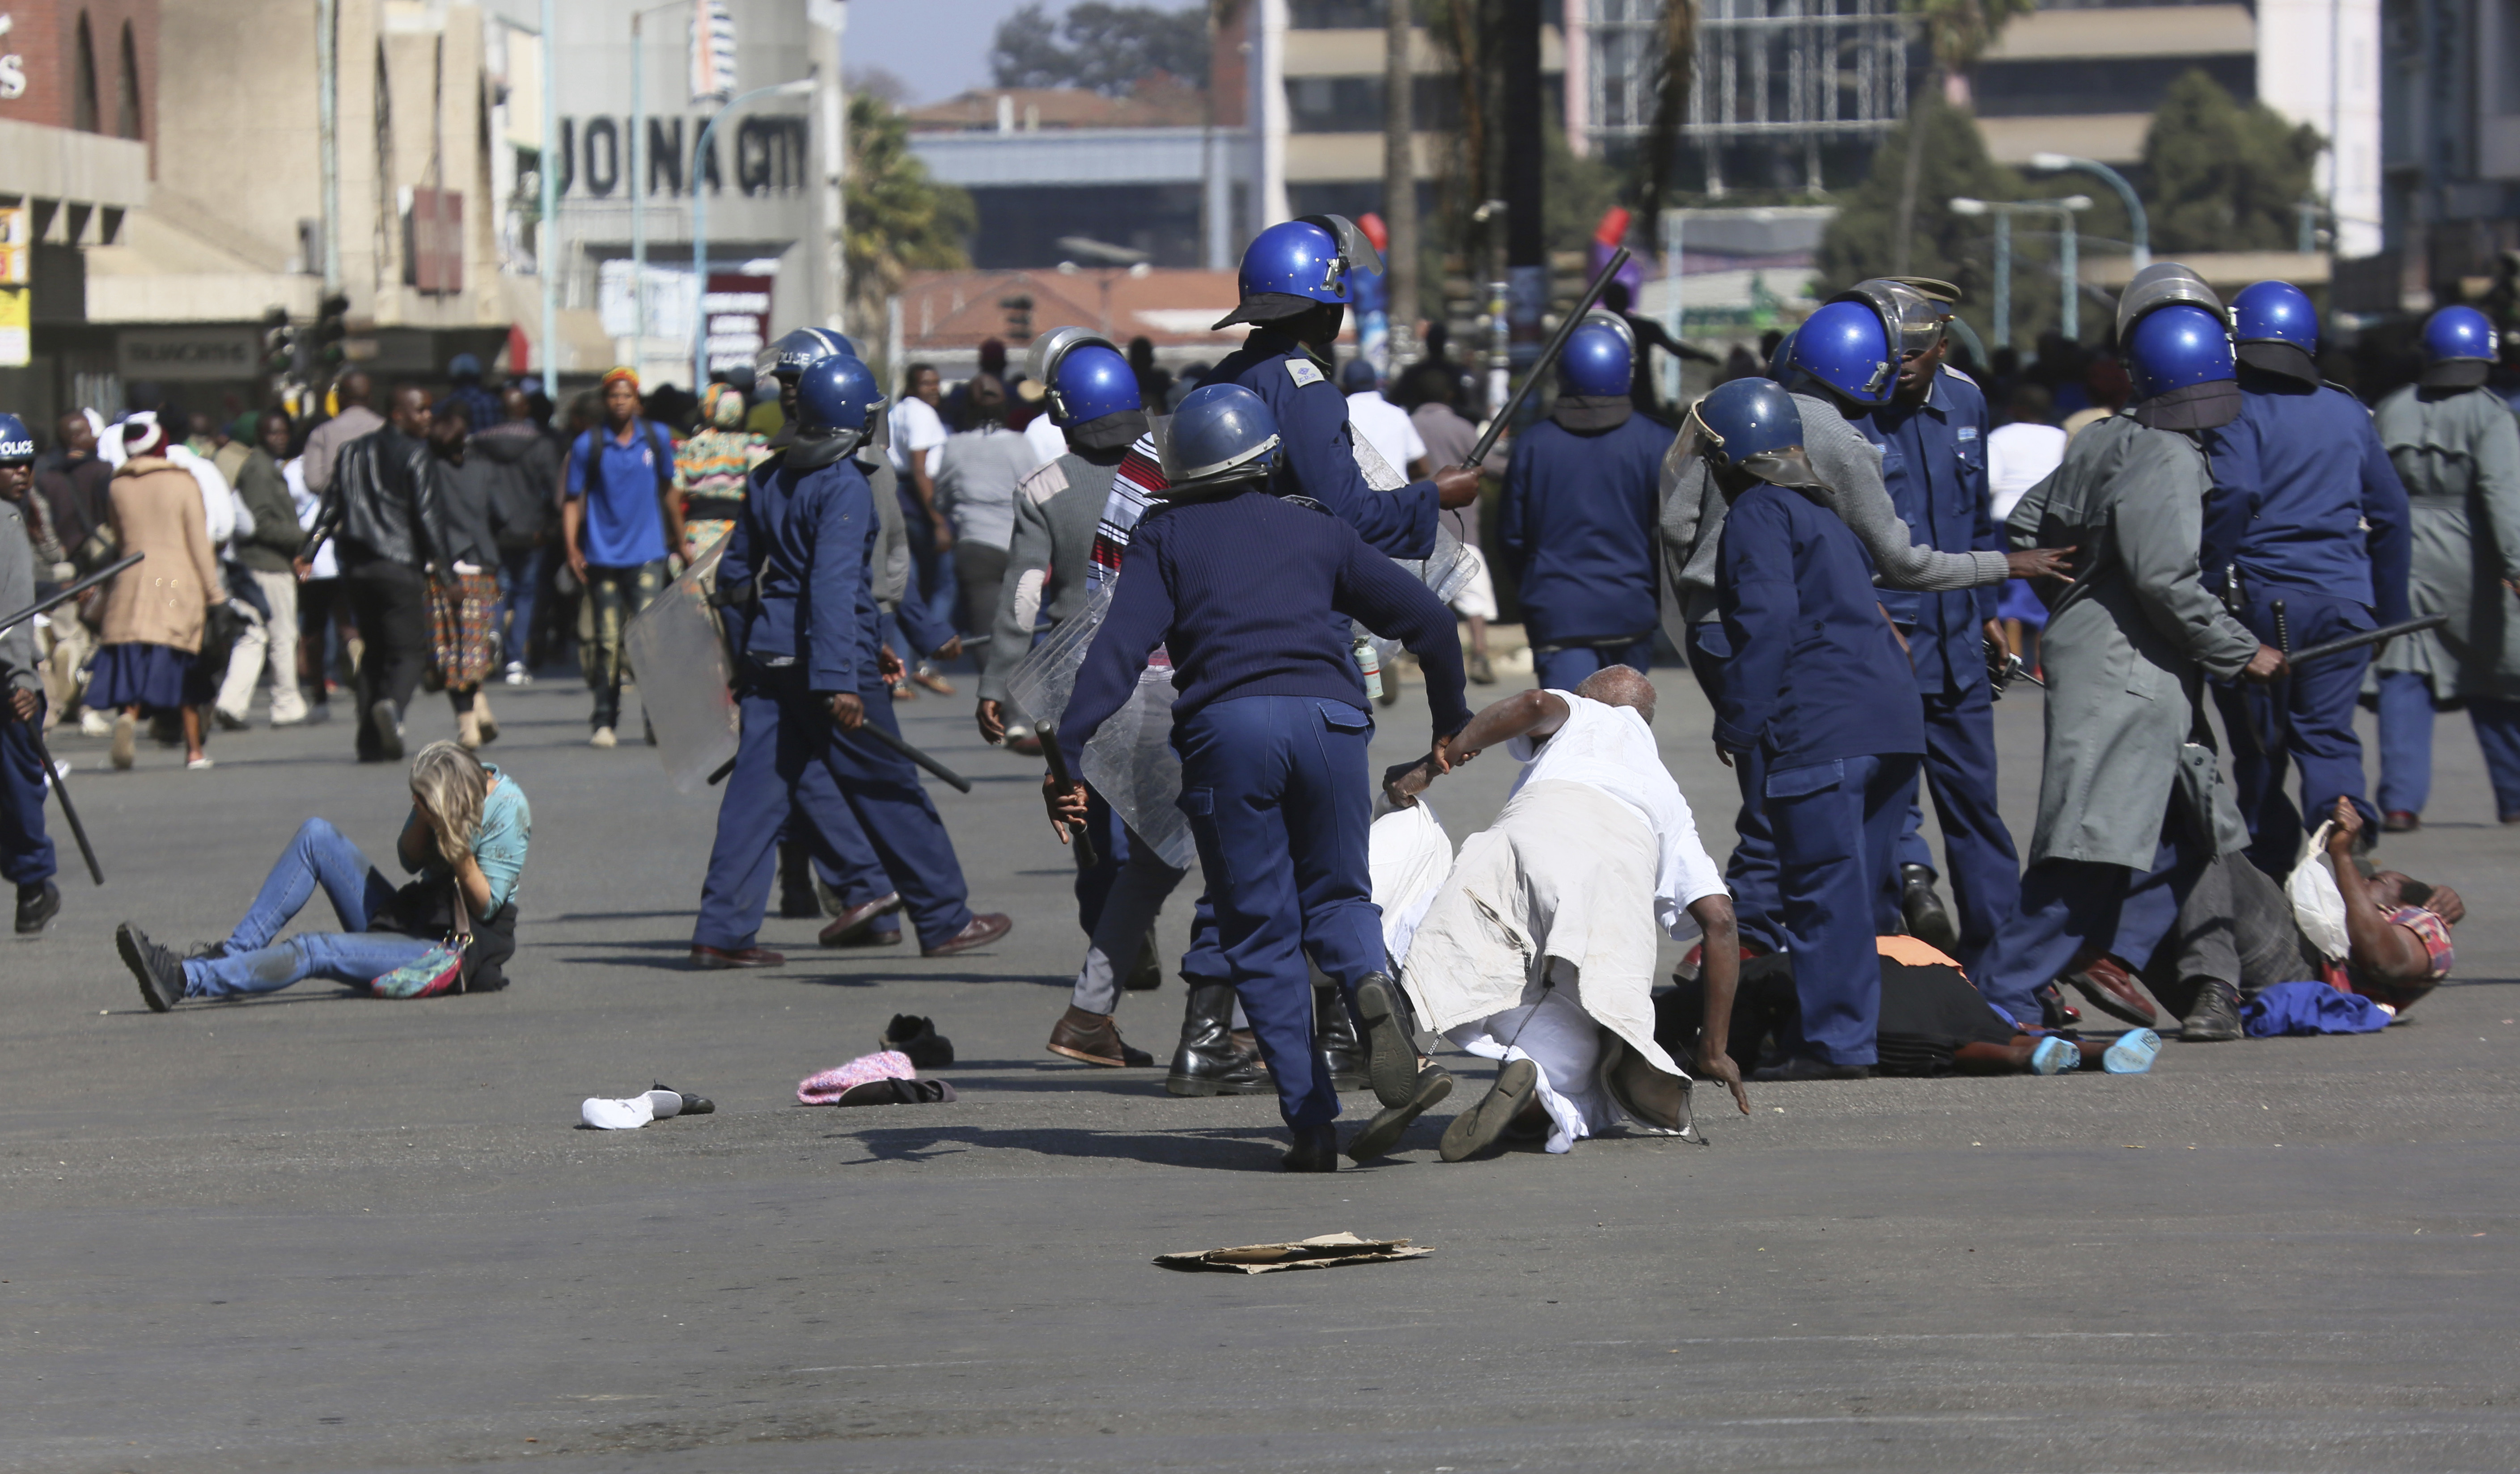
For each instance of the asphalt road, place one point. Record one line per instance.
(325, 1232)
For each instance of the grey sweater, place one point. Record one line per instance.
(17, 591)
(1057, 510)
(1692, 517)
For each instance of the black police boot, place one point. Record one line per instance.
(1337, 1042)
(1928, 920)
(1315, 1150)
(37, 905)
(1210, 1062)
(797, 899)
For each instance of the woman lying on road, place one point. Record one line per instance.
(465, 840)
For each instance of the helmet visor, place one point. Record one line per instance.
(1354, 248)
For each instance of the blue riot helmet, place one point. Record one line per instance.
(2276, 330)
(2458, 349)
(1086, 375)
(1600, 359)
(1745, 418)
(1780, 366)
(2175, 348)
(1847, 347)
(839, 404)
(2458, 335)
(1223, 435)
(1918, 321)
(792, 354)
(17, 443)
(1297, 265)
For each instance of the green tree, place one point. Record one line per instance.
(1862, 241)
(899, 220)
(2224, 177)
(1103, 48)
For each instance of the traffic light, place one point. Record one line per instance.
(279, 344)
(331, 328)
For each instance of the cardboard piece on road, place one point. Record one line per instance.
(1327, 1252)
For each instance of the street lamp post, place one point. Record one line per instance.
(638, 179)
(2137, 226)
(801, 87)
(2069, 316)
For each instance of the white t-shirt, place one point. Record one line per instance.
(1385, 427)
(915, 426)
(2018, 457)
(1610, 748)
(1048, 441)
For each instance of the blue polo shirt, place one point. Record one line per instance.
(626, 526)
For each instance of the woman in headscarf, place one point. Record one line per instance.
(158, 610)
(710, 470)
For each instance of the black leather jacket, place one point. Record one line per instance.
(385, 504)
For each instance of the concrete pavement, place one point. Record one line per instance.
(323, 1232)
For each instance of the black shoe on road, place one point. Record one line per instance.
(386, 724)
(160, 971)
(37, 905)
(1384, 1131)
(1315, 1150)
(2215, 1017)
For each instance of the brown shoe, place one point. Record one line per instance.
(846, 931)
(2401, 822)
(2106, 982)
(982, 929)
(1095, 1039)
(719, 960)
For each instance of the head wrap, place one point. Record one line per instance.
(726, 406)
(143, 436)
(630, 375)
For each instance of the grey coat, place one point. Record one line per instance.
(1693, 518)
(17, 591)
(2129, 641)
(888, 573)
(1057, 510)
(2459, 455)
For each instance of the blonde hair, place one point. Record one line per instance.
(450, 786)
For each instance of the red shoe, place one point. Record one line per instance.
(719, 960)
(2108, 984)
(980, 931)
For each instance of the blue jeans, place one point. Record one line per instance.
(521, 576)
(320, 855)
(1277, 792)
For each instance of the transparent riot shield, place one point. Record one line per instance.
(678, 648)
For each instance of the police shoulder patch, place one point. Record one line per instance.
(1302, 371)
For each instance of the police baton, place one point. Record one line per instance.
(2381, 636)
(870, 729)
(1547, 355)
(67, 593)
(62, 790)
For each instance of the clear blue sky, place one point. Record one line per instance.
(939, 47)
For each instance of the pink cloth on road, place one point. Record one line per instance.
(828, 1087)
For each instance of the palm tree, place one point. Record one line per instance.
(899, 220)
(1673, 79)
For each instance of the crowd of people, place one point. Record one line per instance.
(1853, 550)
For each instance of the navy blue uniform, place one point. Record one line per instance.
(1934, 466)
(2308, 510)
(1319, 445)
(1577, 529)
(1816, 686)
(805, 540)
(1272, 727)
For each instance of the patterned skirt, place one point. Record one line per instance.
(461, 616)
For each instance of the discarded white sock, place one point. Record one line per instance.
(626, 1114)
